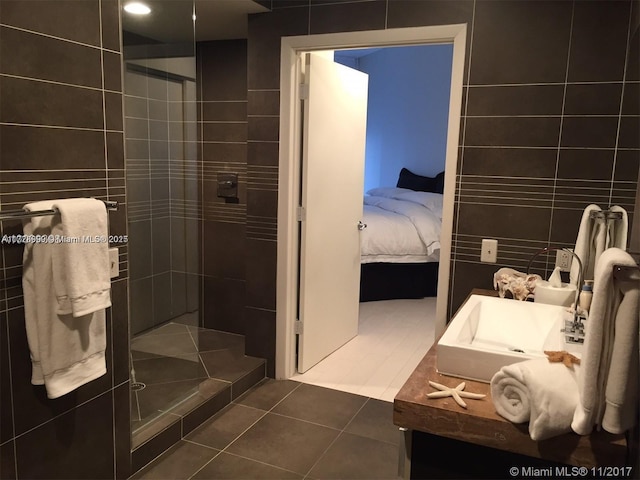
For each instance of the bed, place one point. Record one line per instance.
(400, 247)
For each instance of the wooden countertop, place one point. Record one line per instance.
(480, 424)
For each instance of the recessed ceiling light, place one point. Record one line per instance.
(137, 8)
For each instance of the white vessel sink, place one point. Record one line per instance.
(488, 333)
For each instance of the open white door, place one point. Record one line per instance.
(333, 148)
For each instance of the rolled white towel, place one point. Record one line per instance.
(539, 392)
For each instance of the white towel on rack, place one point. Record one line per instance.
(81, 269)
(617, 229)
(66, 352)
(588, 243)
(608, 379)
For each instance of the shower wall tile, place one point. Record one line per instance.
(110, 17)
(628, 136)
(261, 274)
(7, 460)
(586, 164)
(226, 250)
(264, 128)
(120, 331)
(224, 304)
(263, 102)
(261, 342)
(263, 153)
(122, 430)
(6, 413)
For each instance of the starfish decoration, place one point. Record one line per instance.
(564, 357)
(457, 393)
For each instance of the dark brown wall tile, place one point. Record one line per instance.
(120, 330)
(595, 132)
(509, 162)
(112, 65)
(224, 73)
(34, 56)
(504, 221)
(31, 405)
(264, 128)
(516, 131)
(631, 99)
(467, 277)
(593, 99)
(110, 16)
(122, 426)
(261, 274)
(115, 150)
(627, 165)
(565, 225)
(261, 341)
(7, 461)
(629, 136)
(586, 164)
(69, 19)
(409, 13)
(263, 153)
(42, 147)
(515, 100)
(224, 303)
(40, 103)
(265, 32)
(113, 111)
(520, 42)
(6, 412)
(263, 102)
(224, 132)
(226, 250)
(347, 17)
(224, 110)
(72, 441)
(224, 152)
(598, 41)
(262, 203)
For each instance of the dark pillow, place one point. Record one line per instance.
(419, 183)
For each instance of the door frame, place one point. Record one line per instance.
(289, 165)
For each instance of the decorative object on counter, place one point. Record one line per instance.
(554, 291)
(456, 393)
(599, 230)
(563, 356)
(608, 383)
(511, 283)
(537, 391)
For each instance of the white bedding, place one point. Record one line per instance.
(403, 226)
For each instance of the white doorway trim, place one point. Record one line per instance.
(289, 165)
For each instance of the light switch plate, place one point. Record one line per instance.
(114, 262)
(489, 250)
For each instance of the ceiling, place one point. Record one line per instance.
(171, 21)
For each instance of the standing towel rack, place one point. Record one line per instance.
(20, 214)
(605, 215)
(626, 272)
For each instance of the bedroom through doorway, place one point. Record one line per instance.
(424, 311)
(406, 137)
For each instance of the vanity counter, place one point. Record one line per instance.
(479, 424)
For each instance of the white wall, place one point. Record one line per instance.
(407, 111)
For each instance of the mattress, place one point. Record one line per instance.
(403, 226)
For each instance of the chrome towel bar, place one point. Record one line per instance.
(20, 214)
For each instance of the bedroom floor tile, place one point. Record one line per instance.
(393, 336)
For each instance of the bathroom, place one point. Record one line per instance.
(549, 125)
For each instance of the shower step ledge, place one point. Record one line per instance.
(161, 434)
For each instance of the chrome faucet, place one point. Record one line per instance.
(573, 330)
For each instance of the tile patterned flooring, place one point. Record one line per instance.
(283, 429)
(393, 336)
